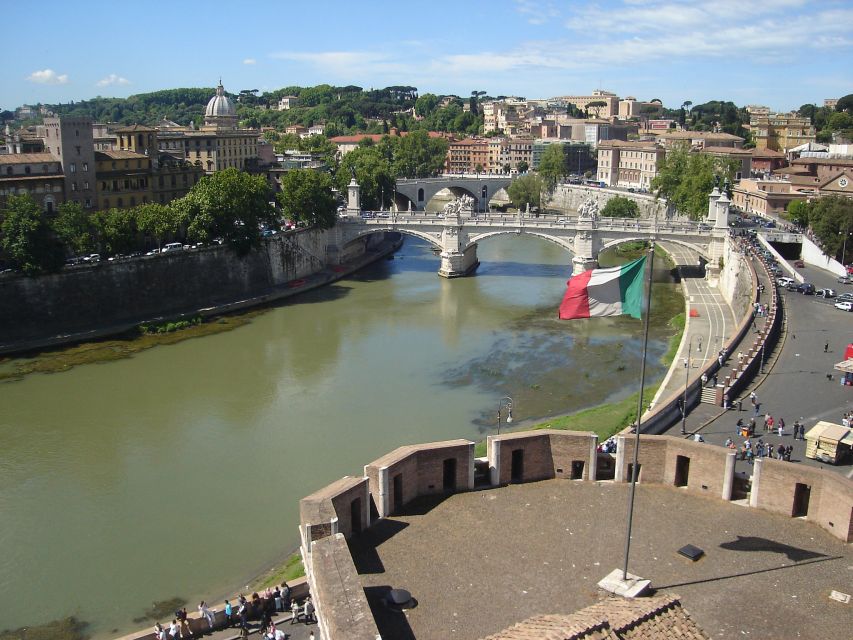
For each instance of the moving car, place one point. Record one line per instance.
(799, 264)
(845, 297)
(172, 246)
(845, 280)
(825, 293)
(784, 282)
(844, 306)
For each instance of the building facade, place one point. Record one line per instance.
(629, 164)
(764, 197)
(38, 175)
(781, 131)
(70, 141)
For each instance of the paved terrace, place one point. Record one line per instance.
(479, 562)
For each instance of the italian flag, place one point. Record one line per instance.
(614, 291)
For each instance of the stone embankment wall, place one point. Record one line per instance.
(569, 197)
(112, 294)
(413, 471)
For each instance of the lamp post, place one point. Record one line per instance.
(844, 246)
(504, 403)
(686, 378)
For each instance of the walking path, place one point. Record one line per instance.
(705, 333)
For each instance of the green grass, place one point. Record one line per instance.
(677, 322)
(290, 570)
(65, 629)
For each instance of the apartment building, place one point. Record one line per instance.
(781, 131)
(610, 100)
(629, 164)
(38, 175)
(764, 197)
(470, 155)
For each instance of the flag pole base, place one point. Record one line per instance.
(633, 587)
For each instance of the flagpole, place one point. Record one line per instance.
(639, 414)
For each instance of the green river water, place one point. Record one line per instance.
(177, 472)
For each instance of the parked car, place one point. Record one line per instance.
(845, 297)
(845, 280)
(806, 288)
(784, 282)
(799, 264)
(844, 306)
(825, 293)
(562, 221)
(173, 246)
(793, 286)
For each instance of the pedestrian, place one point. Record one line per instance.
(740, 404)
(277, 598)
(826, 347)
(159, 634)
(228, 613)
(788, 451)
(780, 452)
(243, 612)
(714, 379)
(720, 359)
(206, 613)
(174, 630)
(286, 597)
(699, 348)
(780, 428)
(697, 437)
(704, 379)
(740, 357)
(753, 397)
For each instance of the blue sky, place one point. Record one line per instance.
(781, 53)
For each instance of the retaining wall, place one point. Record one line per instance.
(570, 197)
(812, 254)
(119, 295)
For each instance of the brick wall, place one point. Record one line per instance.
(535, 454)
(568, 447)
(707, 465)
(652, 458)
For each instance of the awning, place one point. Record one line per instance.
(846, 366)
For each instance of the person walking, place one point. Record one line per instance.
(159, 634)
(174, 630)
(826, 347)
(206, 613)
(229, 611)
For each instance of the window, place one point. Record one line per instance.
(78, 149)
(8, 171)
(119, 202)
(88, 204)
(73, 168)
(44, 168)
(86, 185)
(85, 166)
(27, 169)
(132, 201)
(74, 186)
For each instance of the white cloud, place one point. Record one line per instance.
(250, 61)
(112, 79)
(48, 76)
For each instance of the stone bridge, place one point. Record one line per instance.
(456, 231)
(419, 191)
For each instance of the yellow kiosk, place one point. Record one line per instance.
(829, 442)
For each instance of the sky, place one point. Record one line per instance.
(779, 53)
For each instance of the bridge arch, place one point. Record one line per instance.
(564, 243)
(702, 251)
(431, 239)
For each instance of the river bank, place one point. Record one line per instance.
(39, 357)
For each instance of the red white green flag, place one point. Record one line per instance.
(614, 291)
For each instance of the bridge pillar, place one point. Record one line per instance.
(458, 258)
(353, 199)
(586, 249)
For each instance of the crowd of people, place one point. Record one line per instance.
(261, 607)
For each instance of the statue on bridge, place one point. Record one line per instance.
(457, 206)
(589, 209)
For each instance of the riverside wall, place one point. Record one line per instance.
(109, 297)
(569, 197)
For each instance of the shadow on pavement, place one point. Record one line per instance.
(392, 622)
(748, 573)
(752, 543)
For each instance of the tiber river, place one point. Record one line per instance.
(178, 472)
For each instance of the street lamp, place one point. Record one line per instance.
(844, 246)
(684, 399)
(504, 403)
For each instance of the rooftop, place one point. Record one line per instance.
(26, 158)
(480, 562)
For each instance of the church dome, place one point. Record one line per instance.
(220, 105)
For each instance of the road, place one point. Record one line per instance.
(797, 383)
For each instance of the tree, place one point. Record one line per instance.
(426, 104)
(620, 207)
(306, 195)
(159, 221)
(522, 166)
(117, 230)
(798, 212)
(845, 103)
(831, 218)
(372, 172)
(73, 226)
(26, 237)
(525, 190)
(419, 156)
(230, 204)
(686, 179)
(552, 166)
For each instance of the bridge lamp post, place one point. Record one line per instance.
(684, 399)
(504, 403)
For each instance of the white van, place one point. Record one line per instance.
(173, 246)
(784, 282)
